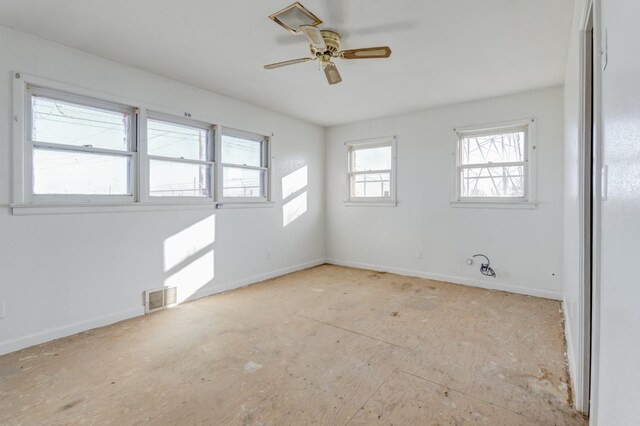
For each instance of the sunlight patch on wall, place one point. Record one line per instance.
(294, 195)
(193, 276)
(294, 182)
(188, 242)
(294, 208)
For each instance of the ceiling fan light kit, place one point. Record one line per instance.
(295, 16)
(324, 44)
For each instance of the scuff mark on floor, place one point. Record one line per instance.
(251, 367)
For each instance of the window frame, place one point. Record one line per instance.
(211, 140)
(23, 202)
(30, 145)
(528, 200)
(353, 146)
(265, 160)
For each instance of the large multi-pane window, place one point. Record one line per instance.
(81, 149)
(371, 170)
(180, 158)
(493, 163)
(77, 149)
(244, 159)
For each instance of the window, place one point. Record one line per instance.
(493, 164)
(244, 159)
(371, 166)
(80, 149)
(180, 156)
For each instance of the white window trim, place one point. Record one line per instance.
(237, 202)
(23, 204)
(28, 145)
(529, 200)
(146, 185)
(390, 201)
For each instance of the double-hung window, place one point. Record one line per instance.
(87, 151)
(371, 170)
(78, 149)
(495, 164)
(180, 154)
(244, 159)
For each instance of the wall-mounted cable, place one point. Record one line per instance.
(485, 269)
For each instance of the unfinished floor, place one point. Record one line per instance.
(328, 345)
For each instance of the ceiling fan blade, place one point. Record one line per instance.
(314, 36)
(366, 53)
(285, 63)
(333, 76)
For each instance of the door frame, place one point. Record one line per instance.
(591, 197)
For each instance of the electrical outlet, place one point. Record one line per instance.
(3, 310)
(419, 255)
(269, 254)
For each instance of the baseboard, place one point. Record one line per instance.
(452, 279)
(78, 327)
(68, 330)
(208, 291)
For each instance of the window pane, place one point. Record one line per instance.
(177, 141)
(243, 152)
(372, 159)
(173, 179)
(493, 182)
(239, 182)
(372, 185)
(497, 148)
(67, 172)
(63, 122)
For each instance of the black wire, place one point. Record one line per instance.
(485, 269)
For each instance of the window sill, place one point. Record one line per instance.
(495, 204)
(371, 203)
(49, 209)
(245, 205)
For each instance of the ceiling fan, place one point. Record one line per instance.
(324, 44)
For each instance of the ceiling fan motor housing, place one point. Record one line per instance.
(332, 40)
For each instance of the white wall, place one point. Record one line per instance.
(60, 274)
(571, 291)
(619, 327)
(525, 246)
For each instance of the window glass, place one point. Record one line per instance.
(177, 179)
(62, 122)
(72, 172)
(240, 182)
(372, 185)
(243, 152)
(493, 163)
(495, 148)
(177, 141)
(366, 159)
(371, 171)
(493, 182)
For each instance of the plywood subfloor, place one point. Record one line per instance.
(328, 345)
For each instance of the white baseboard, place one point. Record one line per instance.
(78, 327)
(68, 330)
(208, 291)
(491, 285)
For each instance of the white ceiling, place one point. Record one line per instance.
(444, 51)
